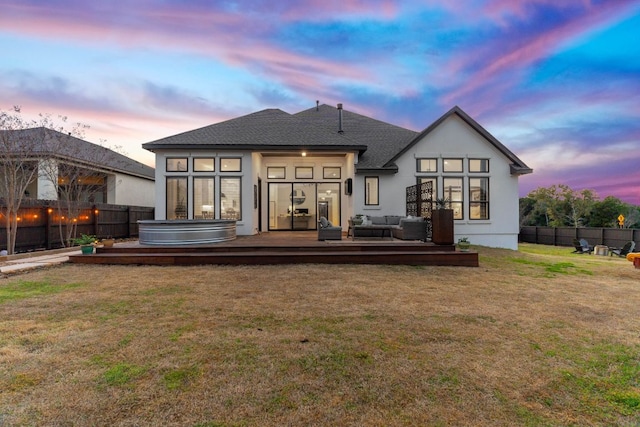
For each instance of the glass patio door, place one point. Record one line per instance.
(329, 202)
(292, 206)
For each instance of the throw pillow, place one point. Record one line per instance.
(323, 222)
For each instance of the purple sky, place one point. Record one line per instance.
(556, 81)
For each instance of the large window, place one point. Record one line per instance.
(230, 206)
(478, 198)
(231, 164)
(304, 172)
(204, 164)
(203, 197)
(478, 165)
(177, 164)
(452, 191)
(427, 165)
(371, 190)
(276, 172)
(331, 172)
(451, 165)
(177, 197)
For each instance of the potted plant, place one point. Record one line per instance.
(442, 203)
(108, 242)
(357, 220)
(463, 244)
(86, 242)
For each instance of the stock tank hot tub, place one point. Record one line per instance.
(186, 232)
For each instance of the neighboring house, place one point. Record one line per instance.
(122, 181)
(272, 171)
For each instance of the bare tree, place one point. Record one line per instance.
(20, 155)
(80, 176)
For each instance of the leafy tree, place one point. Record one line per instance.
(605, 212)
(547, 209)
(527, 211)
(577, 205)
(559, 205)
(632, 218)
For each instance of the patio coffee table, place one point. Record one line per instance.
(378, 231)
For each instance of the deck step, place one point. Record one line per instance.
(371, 255)
(333, 248)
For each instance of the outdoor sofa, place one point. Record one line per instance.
(399, 227)
(328, 231)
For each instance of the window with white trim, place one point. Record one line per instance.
(453, 192)
(427, 165)
(371, 191)
(478, 198)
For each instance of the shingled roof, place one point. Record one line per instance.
(379, 144)
(43, 142)
(266, 130)
(383, 140)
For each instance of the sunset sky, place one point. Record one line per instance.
(556, 81)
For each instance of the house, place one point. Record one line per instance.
(273, 171)
(113, 177)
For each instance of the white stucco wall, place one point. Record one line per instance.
(455, 139)
(254, 169)
(46, 190)
(130, 190)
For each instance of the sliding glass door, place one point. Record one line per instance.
(294, 206)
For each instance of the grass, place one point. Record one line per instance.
(29, 289)
(538, 337)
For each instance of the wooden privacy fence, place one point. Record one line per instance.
(563, 236)
(39, 223)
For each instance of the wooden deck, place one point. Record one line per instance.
(284, 248)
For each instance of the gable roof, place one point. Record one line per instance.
(379, 144)
(43, 142)
(518, 167)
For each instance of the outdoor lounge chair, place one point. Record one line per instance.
(624, 251)
(582, 246)
(328, 231)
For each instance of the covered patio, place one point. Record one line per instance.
(285, 247)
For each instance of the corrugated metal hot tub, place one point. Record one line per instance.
(186, 232)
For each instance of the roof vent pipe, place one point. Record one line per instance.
(317, 105)
(340, 119)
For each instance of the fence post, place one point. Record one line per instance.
(128, 222)
(48, 212)
(45, 216)
(94, 212)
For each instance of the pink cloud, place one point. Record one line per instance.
(219, 35)
(504, 66)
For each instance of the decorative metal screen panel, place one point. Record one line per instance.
(426, 199)
(420, 199)
(412, 200)
(420, 202)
